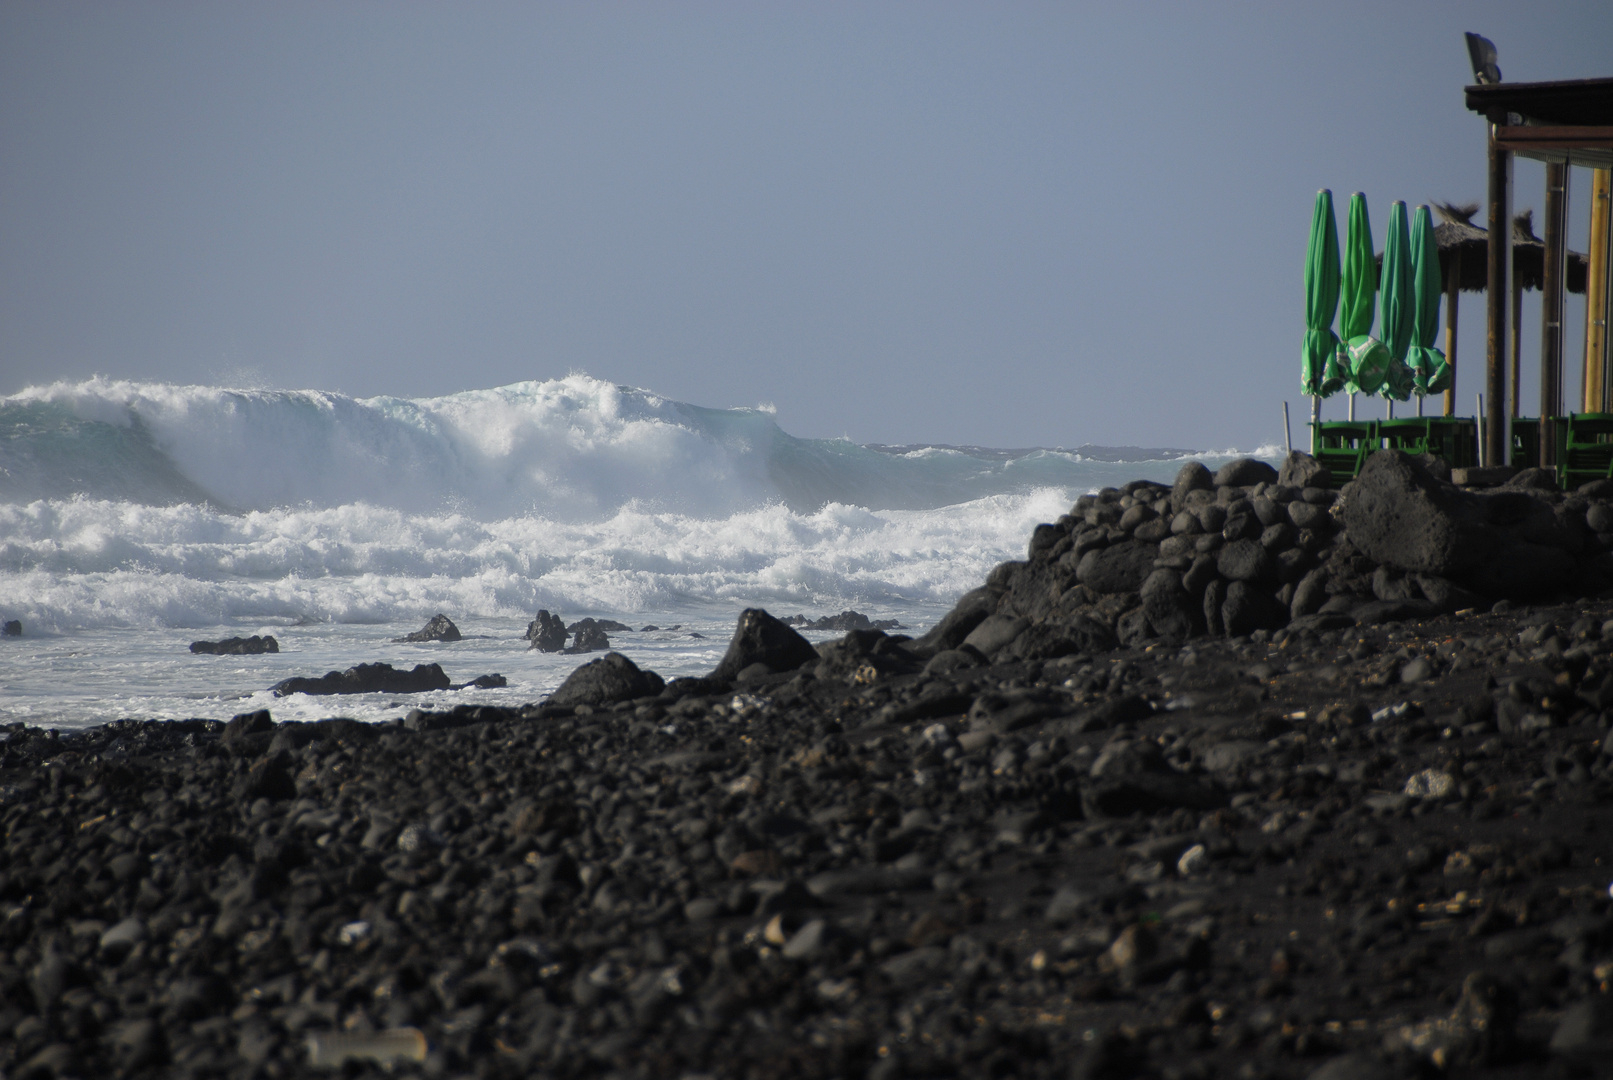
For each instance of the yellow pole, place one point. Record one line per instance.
(1596, 293)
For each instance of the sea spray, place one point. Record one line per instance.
(137, 517)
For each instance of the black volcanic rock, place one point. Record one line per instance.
(12, 628)
(439, 628)
(1398, 515)
(969, 612)
(547, 632)
(611, 678)
(237, 646)
(861, 651)
(1245, 472)
(588, 639)
(609, 626)
(761, 639)
(368, 679)
(845, 621)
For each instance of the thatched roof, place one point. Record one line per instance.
(1457, 233)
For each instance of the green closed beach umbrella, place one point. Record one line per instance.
(1395, 287)
(1319, 370)
(1430, 371)
(1358, 297)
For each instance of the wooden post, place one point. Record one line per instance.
(1551, 312)
(1453, 291)
(1596, 293)
(1500, 252)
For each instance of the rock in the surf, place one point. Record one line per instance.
(847, 621)
(611, 678)
(759, 638)
(368, 679)
(609, 626)
(547, 632)
(439, 628)
(12, 628)
(588, 639)
(237, 646)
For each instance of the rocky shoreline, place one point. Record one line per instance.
(1069, 832)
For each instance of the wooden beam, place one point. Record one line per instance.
(1542, 137)
(1551, 311)
(1500, 258)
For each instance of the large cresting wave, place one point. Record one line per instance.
(573, 449)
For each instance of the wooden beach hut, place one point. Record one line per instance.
(1560, 123)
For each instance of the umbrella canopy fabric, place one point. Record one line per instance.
(1431, 373)
(1319, 373)
(1359, 295)
(1395, 285)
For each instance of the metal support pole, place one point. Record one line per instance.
(1453, 292)
(1515, 349)
(1500, 262)
(1551, 312)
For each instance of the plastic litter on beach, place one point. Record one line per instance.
(332, 1049)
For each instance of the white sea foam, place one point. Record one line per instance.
(80, 563)
(135, 516)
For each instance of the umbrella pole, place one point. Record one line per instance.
(1390, 402)
(1288, 432)
(1352, 408)
(1316, 422)
(1419, 406)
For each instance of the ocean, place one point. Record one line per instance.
(138, 517)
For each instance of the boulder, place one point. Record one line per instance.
(1244, 560)
(546, 633)
(588, 639)
(1399, 515)
(965, 615)
(237, 646)
(849, 620)
(609, 626)
(849, 658)
(611, 678)
(368, 679)
(1245, 472)
(1054, 638)
(12, 628)
(1190, 477)
(1249, 608)
(1533, 480)
(1118, 568)
(761, 639)
(439, 628)
(1171, 611)
(244, 724)
(1300, 470)
(995, 632)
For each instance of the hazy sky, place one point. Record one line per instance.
(1004, 223)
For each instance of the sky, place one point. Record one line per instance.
(1006, 224)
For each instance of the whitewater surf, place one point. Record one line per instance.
(135, 517)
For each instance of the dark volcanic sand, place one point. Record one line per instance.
(606, 894)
